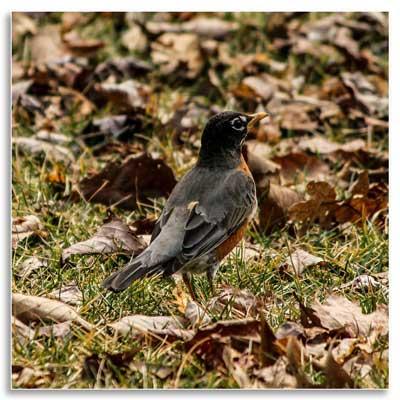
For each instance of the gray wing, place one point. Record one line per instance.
(216, 216)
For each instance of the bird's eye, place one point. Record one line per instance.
(238, 124)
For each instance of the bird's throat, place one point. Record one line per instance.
(221, 158)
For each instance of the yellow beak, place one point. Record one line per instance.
(255, 118)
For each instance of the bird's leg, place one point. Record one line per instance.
(211, 272)
(210, 278)
(188, 282)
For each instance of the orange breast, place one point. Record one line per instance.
(243, 166)
(226, 247)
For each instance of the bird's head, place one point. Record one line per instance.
(224, 134)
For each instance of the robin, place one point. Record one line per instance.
(206, 214)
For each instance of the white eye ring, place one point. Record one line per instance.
(239, 123)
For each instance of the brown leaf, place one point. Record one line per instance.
(268, 349)
(274, 207)
(46, 46)
(196, 314)
(114, 236)
(122, 68)
(210, 27)
(22, 25)
(276, 376)
(365, 94)
(298, 261)
(320, 208)
(69, 294)
(336, 376)
(20, 88)
(97, 366)
(247, 252)
(34, 146)
(134, 39)
(20, 330)
(129, 95)
(361, 185)
(33, 308)
(337, 312)
(234, 363)
(256, 86)
(24, 227)
(262, 169)
(208, 342)
(321, 145)
(30, 264)
(298, 167)
(157, 326)
(204, 26)
(238, 303)
(79, 46)
(138, 178)
(102, 130)
(178, 53)
(62, 329)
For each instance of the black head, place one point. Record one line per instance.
(224, 135)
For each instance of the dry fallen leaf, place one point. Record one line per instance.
(156, 326)
(337, 312)
(298, 261)
(196, 314)
(122, 68)
(30, 264)
(119, 127)
(297, 167)
(178, 52)
(61, 330)
(134, 39)
(263, 170)
(234, 363)
(20, 330)
(336, 375)
(35, 146)
(24, 227)
(365, 202)
(276, 376)
(76, 45)
(238, 303)
(139, 177)
(204, 26)
(69, 294)
(129, 95)
(34, 308)
(114, 236)
(274, 207)
(365, 93)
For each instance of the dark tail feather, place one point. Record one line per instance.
(120, 280)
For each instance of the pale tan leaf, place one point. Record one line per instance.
(115, 236)
(69, 294)
(30, 264)
(298, 261)
(34, 308)
(24, 227)
(156, 326)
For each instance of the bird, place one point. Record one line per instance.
(207, 212)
